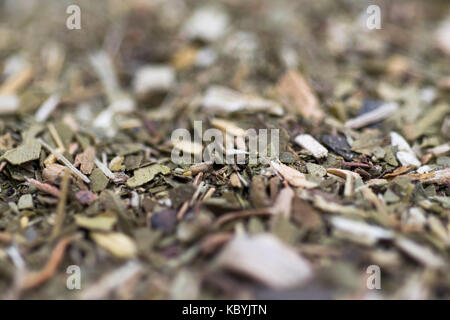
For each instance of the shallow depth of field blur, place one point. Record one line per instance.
(139, 69)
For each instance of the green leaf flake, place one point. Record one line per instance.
(146, 174)
(28, 151)
(99, 180)
(25, 202)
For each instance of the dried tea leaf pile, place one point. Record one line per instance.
(359, 174)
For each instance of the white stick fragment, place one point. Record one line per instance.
(47, 108)
(104, 68)
(442, 36)
(420, 253)
(440, 150)
(119, 101)
(104, 169)
(104, 159)
(9, 103)
(361, 229)
(350, 178)
(64, 160)
(266, 259)
(424, 169)
(293, 176)
(405, 154)
(222, 99)
(111, 281)
(153, 78)
(134, 202)
(283, 203)
(207, 23)
(229, 127)
(191, 147)
(408, 159)
(373, 116)
(312, 145)
(104, 119)
(414, 218)
(439, 177)
(236, 151)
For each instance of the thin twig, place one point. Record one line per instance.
(45, 187)
(35, 279)
(64, 160)
(60, 211)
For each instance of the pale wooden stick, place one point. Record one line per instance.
(104, 168)
(64, 160)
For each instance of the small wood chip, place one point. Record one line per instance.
(266, 259)
(222, 99)
(312, 145)
(294, 177)
(15, 82)
(295, 91)
(228, 127)
(349, 176)
(405, 154)
(438, 176)
(86, 160)
(119, 244)
(376, 115)
(53, 173)
(191, 147)
(283, 203)
(235, 181)
(101, 222)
